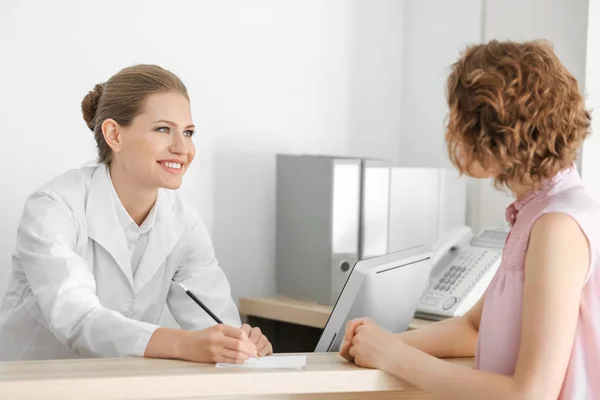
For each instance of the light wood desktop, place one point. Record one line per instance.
(326, 376)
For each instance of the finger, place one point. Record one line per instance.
(236, 356)
(347, 356)
(261, 342)
(246, 329)
(235, 333)
(352, 352)
(351, 328)
(358, 337)
(245, 338)
(266, 350)
(228, 360)
(255, 335)
(344, 351)
(364, 329)
(343, 346)
(242, 346)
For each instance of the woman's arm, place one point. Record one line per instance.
(556, 264)
(219, 343)
(453, 337)
(201, 273)
(450, 338)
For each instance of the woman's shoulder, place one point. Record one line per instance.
(60, 199)
(69, 186)
(576, 204)
(574, 200)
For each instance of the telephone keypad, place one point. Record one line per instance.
(453, 278)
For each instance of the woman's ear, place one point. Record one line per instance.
(112, 134)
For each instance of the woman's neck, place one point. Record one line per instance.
(520, 191)
(135, 197)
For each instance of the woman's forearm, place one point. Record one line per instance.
(166, 343)
(454, 337)
(448, 381)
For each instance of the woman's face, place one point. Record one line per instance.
(157, 147)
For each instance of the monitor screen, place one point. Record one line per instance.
(386, 289)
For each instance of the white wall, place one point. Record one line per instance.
(591, 147)
(329, 82)
(264, 76)
(436, 31)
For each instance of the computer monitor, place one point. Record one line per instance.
(386, 289)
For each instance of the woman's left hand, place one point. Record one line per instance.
(262, 343)
(370, 346)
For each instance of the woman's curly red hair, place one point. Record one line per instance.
(514, 107)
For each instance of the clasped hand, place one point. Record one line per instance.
(370, 346)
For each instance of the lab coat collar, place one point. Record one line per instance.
(127, 223)
(105, 228)
(162, 239)
(103, 222)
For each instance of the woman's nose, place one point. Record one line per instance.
(178, 145)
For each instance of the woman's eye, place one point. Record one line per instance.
(189, 133)
(164, 129)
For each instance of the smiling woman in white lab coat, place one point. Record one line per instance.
(98, 247)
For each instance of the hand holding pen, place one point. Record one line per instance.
(229, 343)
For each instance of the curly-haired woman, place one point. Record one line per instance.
(517, 116)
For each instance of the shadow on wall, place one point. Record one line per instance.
(244, 232)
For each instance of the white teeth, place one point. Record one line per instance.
(172, 165)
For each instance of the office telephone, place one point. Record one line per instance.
(463, 266)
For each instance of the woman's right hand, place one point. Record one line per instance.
(219, 344)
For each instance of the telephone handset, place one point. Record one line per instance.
(463, 266)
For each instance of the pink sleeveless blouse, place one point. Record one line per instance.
(500, 328)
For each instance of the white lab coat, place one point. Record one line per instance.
(72, 293)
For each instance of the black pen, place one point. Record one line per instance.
(201, 304)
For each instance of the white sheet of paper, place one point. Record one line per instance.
(270, 362)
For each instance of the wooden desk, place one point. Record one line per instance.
(284, 309)
(326, 376)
